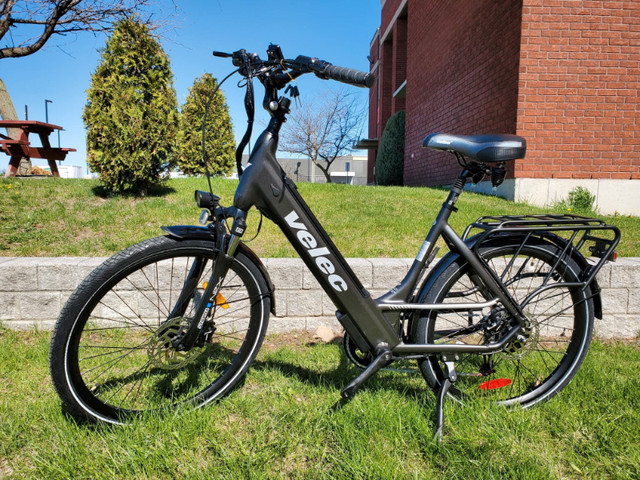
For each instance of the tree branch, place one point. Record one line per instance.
(326, 132)
(58, 17)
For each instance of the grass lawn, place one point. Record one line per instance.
(59, 217)
(284, 423)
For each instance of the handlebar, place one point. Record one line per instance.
(274, 74)
(301, 65)
(350, 76)
(326, 70)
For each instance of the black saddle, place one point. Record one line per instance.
(484, 148)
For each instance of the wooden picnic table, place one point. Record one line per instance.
(21, 146)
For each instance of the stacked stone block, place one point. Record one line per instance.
(34, 290)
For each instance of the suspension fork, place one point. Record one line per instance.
(222, 262)
(189, 288)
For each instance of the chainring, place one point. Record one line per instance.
(357, 356)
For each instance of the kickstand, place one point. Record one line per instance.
(449, 380)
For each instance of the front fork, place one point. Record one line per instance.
(224, 258)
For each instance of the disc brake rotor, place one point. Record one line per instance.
(162, 352)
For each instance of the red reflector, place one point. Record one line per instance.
(494, 384)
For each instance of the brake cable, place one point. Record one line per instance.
(249, 103)
(249, 106)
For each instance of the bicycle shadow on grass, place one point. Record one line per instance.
(394, 377)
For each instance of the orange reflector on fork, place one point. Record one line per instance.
(220, 300)
(495, 384)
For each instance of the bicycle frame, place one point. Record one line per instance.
(264, 184)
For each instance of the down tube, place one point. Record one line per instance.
(329, 267)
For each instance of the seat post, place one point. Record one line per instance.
(456, 190)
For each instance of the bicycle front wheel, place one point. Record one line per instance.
(551, 349)
(113, 351)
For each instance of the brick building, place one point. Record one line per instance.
(564, 74)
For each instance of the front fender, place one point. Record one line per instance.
(197, 232)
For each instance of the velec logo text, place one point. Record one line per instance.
(319, 253)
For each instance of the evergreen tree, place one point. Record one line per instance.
(131, 113)
(390, 160)
(219, 140)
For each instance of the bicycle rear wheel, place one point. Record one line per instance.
(552, 349)
(113, 351)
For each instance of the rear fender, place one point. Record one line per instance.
(560, 242)
(196, 232)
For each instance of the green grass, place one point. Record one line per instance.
(58, 217)
(284, 423)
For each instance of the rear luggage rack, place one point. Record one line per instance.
(570, 232)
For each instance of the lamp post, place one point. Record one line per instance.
(46, 110)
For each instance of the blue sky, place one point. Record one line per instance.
(336, 31)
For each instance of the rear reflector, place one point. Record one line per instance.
(495, 384)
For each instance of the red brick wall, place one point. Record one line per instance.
(399, 61)
(579, 81)
(385, 79)
(390, 73)
(462, 74)
(389, 9)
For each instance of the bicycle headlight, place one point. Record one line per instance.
(206, 199)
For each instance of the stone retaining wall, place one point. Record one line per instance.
(34, 289)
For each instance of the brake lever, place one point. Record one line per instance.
(292, 90)
(293, 93)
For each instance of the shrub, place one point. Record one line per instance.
(131, 113)
(579, 200)
(390, 159)
(219, 140)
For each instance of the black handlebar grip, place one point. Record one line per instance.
(349, 75)
(222, 54)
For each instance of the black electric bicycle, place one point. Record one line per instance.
(507, 314)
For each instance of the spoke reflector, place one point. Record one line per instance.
(220, 300)
(495, 384)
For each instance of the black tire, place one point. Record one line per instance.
(111, 354)
(527, 372)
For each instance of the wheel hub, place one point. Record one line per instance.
(525, 341)
(162, 352)
(499, 323)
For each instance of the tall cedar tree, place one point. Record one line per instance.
(219, 140)
(131, 113)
